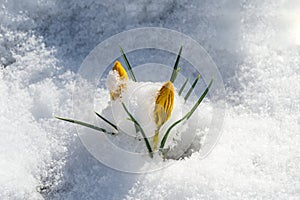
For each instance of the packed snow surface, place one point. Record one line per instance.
(255, 45)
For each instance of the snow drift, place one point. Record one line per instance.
(254, 44)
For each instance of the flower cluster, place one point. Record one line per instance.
(163, 104)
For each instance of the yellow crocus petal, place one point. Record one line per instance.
(121, 71)
(122, 74)
(164, 104)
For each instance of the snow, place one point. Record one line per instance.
(255, 45)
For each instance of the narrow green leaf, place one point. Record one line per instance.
(135, 126)
(172, 79)
(85, 124)
(141, 130)
(176, 73)
(183, 86)
(187, 116)
(200, 99)
(192, 88)
(106, 120)
(127, 64)
(163, 141)
(137, 130)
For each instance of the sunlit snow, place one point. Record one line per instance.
(255, 45)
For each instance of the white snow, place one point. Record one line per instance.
(254, 44)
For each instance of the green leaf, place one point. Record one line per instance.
(200, 99)
(176, 73)
(187, 116)
(163, 141)
(192, 88)
(141, 130)
(106, 120)
(173, 76)
(135, 126)
(85, 124)
(183, 86)
(127, 64)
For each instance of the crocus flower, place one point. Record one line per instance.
(164, 103)
(117, 80)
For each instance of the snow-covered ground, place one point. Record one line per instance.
(256, 46)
